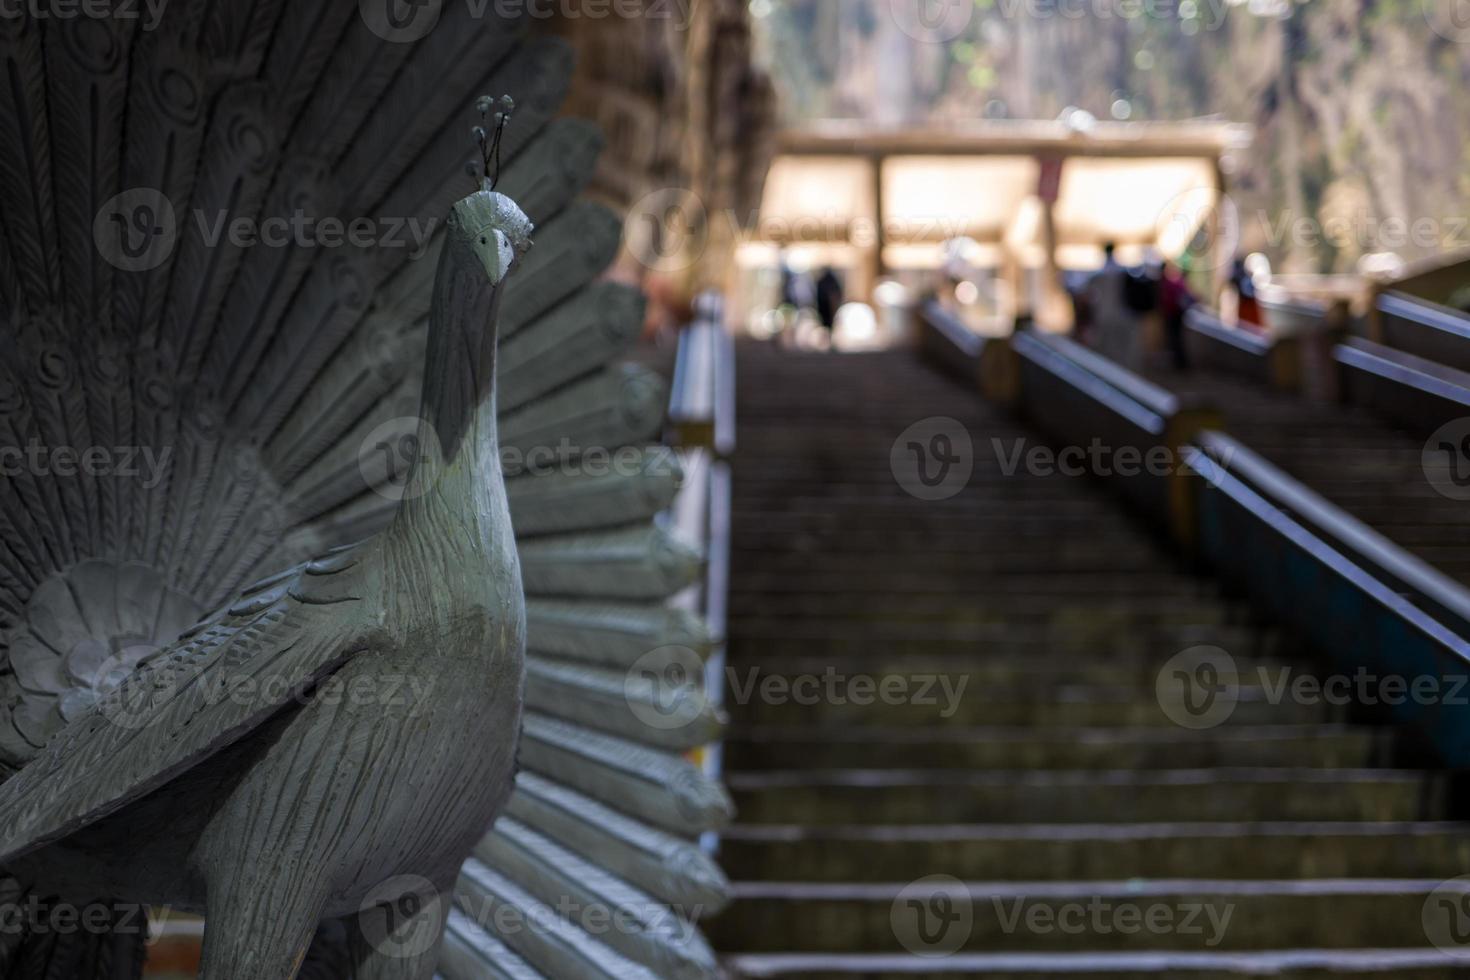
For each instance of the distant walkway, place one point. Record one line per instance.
(1022, 752)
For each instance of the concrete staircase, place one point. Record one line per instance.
(1021, 802)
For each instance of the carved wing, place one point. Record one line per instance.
(212, 687)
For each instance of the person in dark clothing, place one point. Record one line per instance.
(1175, 299)
(1248, 312)
(829, 297)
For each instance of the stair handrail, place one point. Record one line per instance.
(1421, 327)
(701, 415)
(1136, 388)
(944, 339)
(1401, 386)
(1358, 595)
(702, 393)
(1060, 380)
(1275, 361)
(1425, 313)
(1345, 607)
(1405, 573)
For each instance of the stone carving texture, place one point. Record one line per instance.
(265, 655)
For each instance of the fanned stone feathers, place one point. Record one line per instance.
(205, 421)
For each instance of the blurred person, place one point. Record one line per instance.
(1115, 324)
(1175, 299)
(828, 291)
(1247, 309)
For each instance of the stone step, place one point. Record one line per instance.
(1111, 612)
(942, 915)
(799, 747)
(846, 589)
(927, 699)
(1299, 964)
(1141, 578)
(759, 536)
(1093, 852)
(1058, 778)
(780, 571)
(888, 796)
(1004, 648)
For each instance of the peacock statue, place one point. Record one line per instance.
(333, 581)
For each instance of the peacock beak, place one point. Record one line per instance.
(497, 253)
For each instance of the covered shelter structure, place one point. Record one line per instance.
(1019, 202)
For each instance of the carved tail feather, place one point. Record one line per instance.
(250, 403)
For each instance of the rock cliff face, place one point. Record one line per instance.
(689, 122)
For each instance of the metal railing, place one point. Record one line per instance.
(1424, 329)
(1076, 396)
(1410, 390)
(1270, 361)
(1363, 599)
(701, 426)
(702, 397)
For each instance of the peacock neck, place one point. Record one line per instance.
(456, 486)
